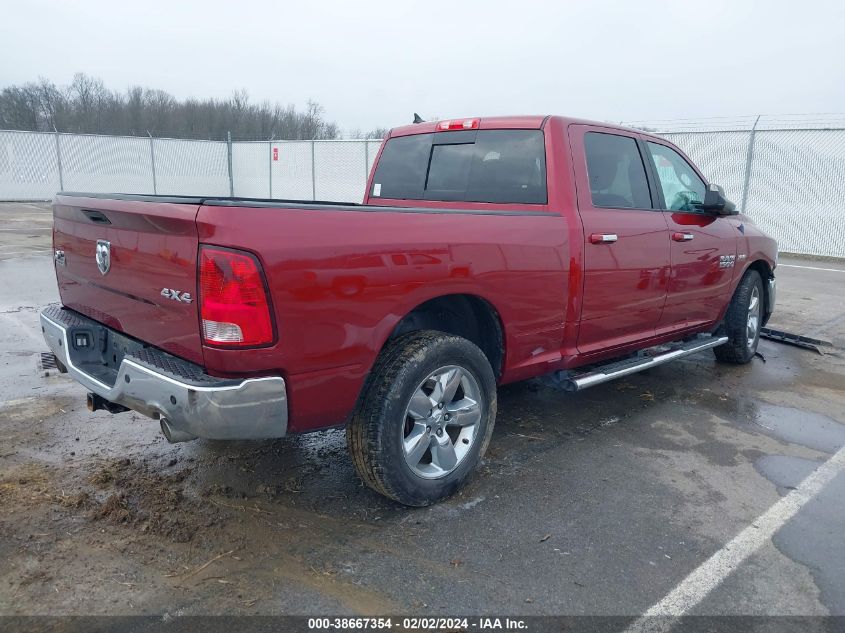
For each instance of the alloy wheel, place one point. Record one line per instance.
(753, 323)
(442, 421)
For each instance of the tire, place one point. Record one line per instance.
(399, 446)
(740, 326)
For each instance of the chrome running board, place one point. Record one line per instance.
(582, 378)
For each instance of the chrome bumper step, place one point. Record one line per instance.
(187, 401)
(583, 377)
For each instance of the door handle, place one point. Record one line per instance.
(603, 238)
(682, 237)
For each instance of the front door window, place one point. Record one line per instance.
(682, 189)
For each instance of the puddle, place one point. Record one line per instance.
(805, 428)
(784, 471)
(812, 539)
(809, 538)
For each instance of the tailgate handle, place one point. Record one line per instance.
(96, 217)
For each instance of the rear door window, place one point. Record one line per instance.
(501, 166)
(616, 172)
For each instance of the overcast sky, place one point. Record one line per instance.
(371, 64)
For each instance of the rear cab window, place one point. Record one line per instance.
(497, 166)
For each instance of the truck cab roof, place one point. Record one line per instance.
(520, 122)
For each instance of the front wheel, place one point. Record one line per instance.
(425, 417)
(743, 321)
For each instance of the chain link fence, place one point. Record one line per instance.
(788, 173)
(35, 165)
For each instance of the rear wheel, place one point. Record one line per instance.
(743, 321)
(425, 417)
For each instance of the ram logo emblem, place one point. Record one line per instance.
(103, 256)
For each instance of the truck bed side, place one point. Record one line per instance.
(342, 277)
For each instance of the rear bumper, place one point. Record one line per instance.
(160, 385)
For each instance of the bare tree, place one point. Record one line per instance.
(88, 106)
(20, 107)
(159, 106)
(135, 110)
(53, 103)
(379, 133)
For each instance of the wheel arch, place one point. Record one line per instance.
(462, 314)
(766, 273)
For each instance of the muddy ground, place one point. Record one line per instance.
(595, 503)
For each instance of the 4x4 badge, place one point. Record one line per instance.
(176, 295)
(103, 256)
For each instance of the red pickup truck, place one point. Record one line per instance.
(486, 251)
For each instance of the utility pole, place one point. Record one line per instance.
(749, 157)
(313, 173)
(270, 163)
(59, 160)
(153, 162)
(229, 157)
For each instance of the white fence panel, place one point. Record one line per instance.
(191, 168)
(797, 188)
(28, 167)
(106, 164)
(341, 168)
(292, 170)
(251, 169)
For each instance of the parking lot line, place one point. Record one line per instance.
(710, 574)
(829, 270)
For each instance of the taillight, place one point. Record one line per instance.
(234, 306)
(463, 124)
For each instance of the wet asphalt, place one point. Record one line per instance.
(595, 503)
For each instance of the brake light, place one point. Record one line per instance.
(234, 306)
(464, 124)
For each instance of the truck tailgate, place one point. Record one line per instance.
(152, 247)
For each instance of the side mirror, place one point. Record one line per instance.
(716, 202)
